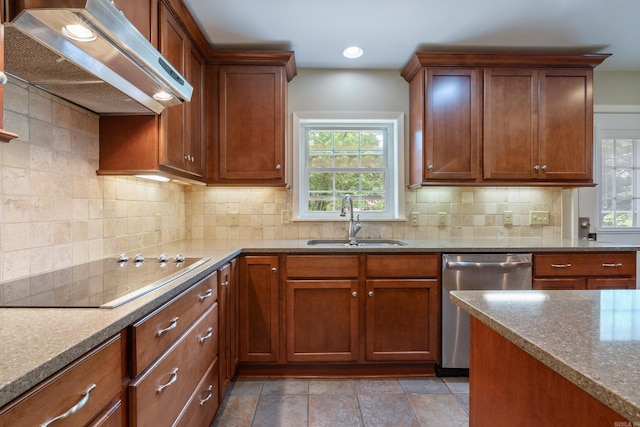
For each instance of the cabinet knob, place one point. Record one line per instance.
(370, 293)
(536, 168)
(430, 167)
(544, 167)
(354, 294)
(274, 270)
(278, 167)
(225, 283)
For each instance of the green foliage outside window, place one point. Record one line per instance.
(346, 161)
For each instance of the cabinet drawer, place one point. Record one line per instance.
(322, 266)
(203, 405)
(585, 264)
(154, 333)
(400, 266)
(160, 394)
(100, 371)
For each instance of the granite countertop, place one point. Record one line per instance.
(592, 338)
(38, 342)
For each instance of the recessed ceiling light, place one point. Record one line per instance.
(79, 33)
(353, 52)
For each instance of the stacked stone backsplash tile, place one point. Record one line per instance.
(55, 210)
(470, 212)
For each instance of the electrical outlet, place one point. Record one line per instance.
(285, 216)
(234, 219)
(415, 219)
(507, 218)
(539, 217)
(442, 218)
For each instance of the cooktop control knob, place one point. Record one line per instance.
(179, 258)
(163, 258)
(138, 260)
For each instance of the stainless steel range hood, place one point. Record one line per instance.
(118, 71)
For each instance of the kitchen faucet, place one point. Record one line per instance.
(353, 227)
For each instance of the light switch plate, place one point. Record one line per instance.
(234, 219)
(539, 217)
(285, 217)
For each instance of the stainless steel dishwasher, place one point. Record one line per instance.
(466, 272)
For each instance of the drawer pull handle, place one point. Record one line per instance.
(560, 265)
(173, 379)
(75, 408)
(209, 391)
(172, 325)
(206, 295)
(206, 337)
(617, 264)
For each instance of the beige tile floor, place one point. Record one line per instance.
(428, 401)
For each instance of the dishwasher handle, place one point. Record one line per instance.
(459, 265)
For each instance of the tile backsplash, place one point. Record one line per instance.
(470, 212)
(56, 212)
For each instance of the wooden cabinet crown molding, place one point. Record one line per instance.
(283, 58)
(500, 59)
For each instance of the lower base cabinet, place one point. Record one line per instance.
(92, 385)
(584, 271)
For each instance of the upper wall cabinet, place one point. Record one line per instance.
(250, 104)
(501, 119)
(171, 144)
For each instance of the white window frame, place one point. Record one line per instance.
(395, 155)
(615, 126)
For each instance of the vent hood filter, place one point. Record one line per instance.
(117, 72)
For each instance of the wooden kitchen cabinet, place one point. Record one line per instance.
(173, 143)
(228, 325)
(445, 120)
(534, 118)
(92, 384)
(402, 307)
(174, 359)
(538, 124)
(580, 271)
(259, 308)
(251, 111)
(322, 308)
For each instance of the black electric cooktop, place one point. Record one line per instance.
(107, 283)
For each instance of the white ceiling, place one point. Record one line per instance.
(389, 31)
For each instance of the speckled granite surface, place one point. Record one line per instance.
(36, 343)
(592, 338)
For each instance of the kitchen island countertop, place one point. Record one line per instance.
(591, 338)
(38, 342)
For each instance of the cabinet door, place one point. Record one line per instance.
(252, 124)
(259, 309)
(173, 43)
(611, 283)
(224, 323)
(402, 319)
(452, 136)
(138, 13)
(194, 150)
(510, 150)
(322, 320)
(566, 124)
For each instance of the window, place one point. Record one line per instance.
(348, 153)
(618, 158)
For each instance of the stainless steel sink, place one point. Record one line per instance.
(361, 243)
